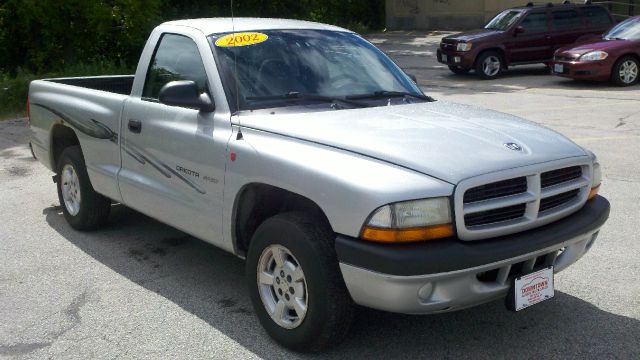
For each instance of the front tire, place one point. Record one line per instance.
(83, 208)
(489, 65)
(626, 71)
(295, 283)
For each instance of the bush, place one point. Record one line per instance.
(15, 89)
(60, 37)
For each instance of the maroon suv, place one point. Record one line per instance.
(522, 35)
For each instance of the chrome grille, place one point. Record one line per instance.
(557, 200)
(571, 57)
(448, 44)
(496, 215)
(496, 190)
(559, 176)
(519, 199)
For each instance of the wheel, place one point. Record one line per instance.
(625, 71)
(458, 70)
(295, 283)
(83, 208)
(489, 65)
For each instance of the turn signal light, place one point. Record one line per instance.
(594, 192)
(407, 235)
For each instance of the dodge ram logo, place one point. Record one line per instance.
(513, 146)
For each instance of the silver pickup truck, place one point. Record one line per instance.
(304, 149)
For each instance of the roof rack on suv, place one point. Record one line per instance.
(549, 4)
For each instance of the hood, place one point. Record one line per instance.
(601, 44)
(444, 140)
(472, 35)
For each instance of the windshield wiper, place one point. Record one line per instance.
(390, 94)
(301, 96)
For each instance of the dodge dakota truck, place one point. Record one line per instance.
(303, 149)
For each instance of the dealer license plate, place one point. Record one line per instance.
(558, 68)
(533, 288)
(444, 58)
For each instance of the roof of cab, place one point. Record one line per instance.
(223, 25)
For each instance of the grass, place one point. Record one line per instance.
(15, 89)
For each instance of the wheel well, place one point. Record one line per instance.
(633, 55)
(258, 202)
(62, 137)
(498, 50)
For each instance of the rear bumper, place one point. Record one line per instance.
(594, 70)
(450, 275)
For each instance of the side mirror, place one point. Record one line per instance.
(185, 93)
(518, 30)
(413, 77)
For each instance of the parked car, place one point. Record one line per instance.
(613, 57)
(304, 149)
(521, 35)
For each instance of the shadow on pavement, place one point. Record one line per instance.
(210, 284)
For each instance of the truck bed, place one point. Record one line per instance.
(119, 84)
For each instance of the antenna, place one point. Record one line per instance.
(235, 71)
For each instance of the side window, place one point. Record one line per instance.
(566, 20)
(535, 23)
(176, 58)
(597, 16)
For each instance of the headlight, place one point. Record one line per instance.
(594, 56)
(410, 221)
(596, 179)
(464, 46)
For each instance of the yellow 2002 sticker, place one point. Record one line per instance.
(241, 39)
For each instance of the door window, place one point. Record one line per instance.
(535, 23)
(176, 58)
(566, 20)
(597, 15)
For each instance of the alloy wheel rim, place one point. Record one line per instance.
(282, 286)
(629, 71)
(491, 66)
(70, 189)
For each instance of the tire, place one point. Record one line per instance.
(626, 71)
(489, 65)
(307, 244)
(458, 70)
(83, 208)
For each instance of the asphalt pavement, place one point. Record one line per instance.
(140, 289)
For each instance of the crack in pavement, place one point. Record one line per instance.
(71, 312)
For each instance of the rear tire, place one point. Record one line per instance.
(626, 71)
(83, 208)
(489, 65)
(458, 70)
(324, 312)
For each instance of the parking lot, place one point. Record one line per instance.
(139, 289)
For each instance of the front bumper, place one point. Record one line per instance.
(592, 70)
(451, 274)
(461, 59)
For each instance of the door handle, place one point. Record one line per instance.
(135, 126)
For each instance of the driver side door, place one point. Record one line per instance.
(534, 43)
(172, 157)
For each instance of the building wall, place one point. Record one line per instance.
(443, 14)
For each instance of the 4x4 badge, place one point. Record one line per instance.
(513, 146)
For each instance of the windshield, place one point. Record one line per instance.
(295, 67)
(627, 30)
(503, 20)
